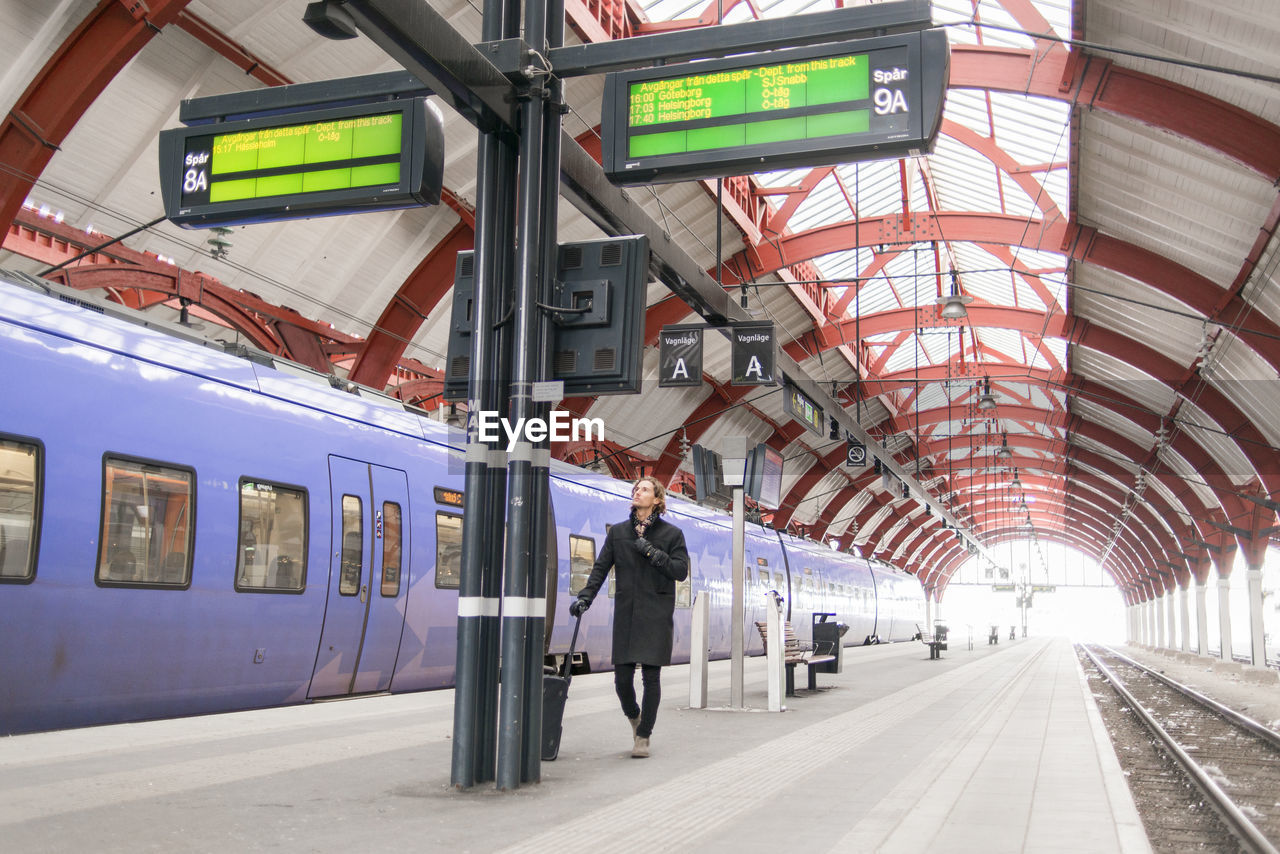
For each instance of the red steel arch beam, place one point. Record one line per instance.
(234, 53)
(1189, 385)
(1149, 509)
(404, 315)
(986, 146)
(1232, 506)
(77, 73)
(800, 489)
(1194, 512)
(1193, 290)
(1080, 244)
(1063, 517)
(1088, 80)
(902, 380)
(721, 398)
(1200, 514)
(173, 283)
(1030, 322)
(1155, 553)
(1183, 523)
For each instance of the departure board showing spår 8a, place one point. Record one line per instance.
(333, 160)
(362, 151)
(868, 99)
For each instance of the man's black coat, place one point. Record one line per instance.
(646, 601)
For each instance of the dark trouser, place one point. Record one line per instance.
(624, 682)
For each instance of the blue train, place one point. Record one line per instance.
(187, 530)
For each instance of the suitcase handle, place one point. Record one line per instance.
(568, 659)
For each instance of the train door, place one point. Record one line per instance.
(364, 615)
(759, 581)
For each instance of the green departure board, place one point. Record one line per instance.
(340, 160)
(748, 94)
(302, 158)
(871, 98)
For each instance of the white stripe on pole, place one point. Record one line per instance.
(521, 606)
(477, 606)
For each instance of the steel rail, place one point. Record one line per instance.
(1237, 822)
(1239, 719)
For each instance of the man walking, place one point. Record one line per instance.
(648, 556)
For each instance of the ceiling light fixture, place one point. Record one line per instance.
(1004, 453)
(953, 305)
(986, 400)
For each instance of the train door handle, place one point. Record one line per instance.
(364, 592)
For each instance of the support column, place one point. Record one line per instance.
(1224, 616)
(1171, 621)
(1186, 617)
(1157, 605)
(1149, 627)
(1256, 635)
(1202, 617)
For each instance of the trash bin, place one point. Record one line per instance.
(828, 639)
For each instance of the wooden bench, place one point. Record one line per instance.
(796, 651)
(935, 645)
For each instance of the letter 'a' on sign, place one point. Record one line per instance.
(751, 352)
(868, 99)
(339, 160)
(680, 356)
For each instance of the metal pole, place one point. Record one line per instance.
(536, 635)
(496, 398)
(529, 274)
(736, 689)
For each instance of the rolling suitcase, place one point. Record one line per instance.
(555, 690)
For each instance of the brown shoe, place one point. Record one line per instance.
(641, 749)
(635, 724)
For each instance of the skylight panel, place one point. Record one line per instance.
(1031, 130)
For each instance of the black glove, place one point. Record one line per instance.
(578, 606)
(655, 555)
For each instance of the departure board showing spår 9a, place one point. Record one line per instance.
(773, 103)
(867, 99)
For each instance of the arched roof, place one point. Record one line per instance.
(1104, 188)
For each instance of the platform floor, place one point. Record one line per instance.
(992, 749)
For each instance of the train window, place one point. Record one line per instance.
(779, 581)
(391, 548)
(764, 577)
(582, 556)
(272, 553)
(19, 509)
(448, 550)
(352, 546)
(146, 524)
(684, 590)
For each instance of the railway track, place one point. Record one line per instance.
(1232, 762)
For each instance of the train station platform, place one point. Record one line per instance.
(992, 748)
